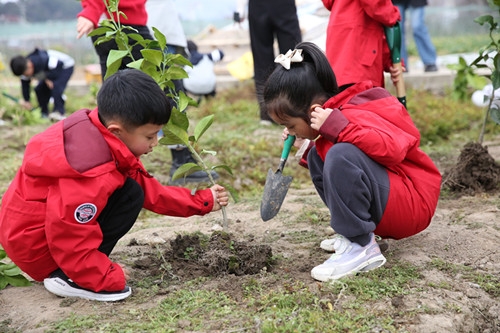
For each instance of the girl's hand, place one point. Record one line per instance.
(83, 26)
(298, 141)
(221, 197)
(318, 117)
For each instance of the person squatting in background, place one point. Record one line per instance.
(267, 21)
(202, 80)
(52, 69)
(364, 158)
(356, 46)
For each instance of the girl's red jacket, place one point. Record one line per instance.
(378, 124)
(48, 216)
(134, 10)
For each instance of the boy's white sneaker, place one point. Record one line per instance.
(327, 244)
(58, 283)
(349, 258)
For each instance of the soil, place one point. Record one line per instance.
(465, 231)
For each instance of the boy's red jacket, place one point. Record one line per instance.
(48, 217)
(355, 39)
(134, 10)
(378, 124)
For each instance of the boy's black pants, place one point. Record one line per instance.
(120, 214)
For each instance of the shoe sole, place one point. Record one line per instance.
(60, 288)
(366, 266)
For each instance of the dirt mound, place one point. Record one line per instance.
(196, 255)
(476, 171)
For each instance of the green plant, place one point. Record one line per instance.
(467, 74)
(164, 68)
(11, 274)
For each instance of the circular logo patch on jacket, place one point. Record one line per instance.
(85, 212)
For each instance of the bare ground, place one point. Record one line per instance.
(465, 231)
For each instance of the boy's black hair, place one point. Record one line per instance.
(134, 99)
(18, 65)
(290, 93)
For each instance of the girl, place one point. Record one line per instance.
(364, 158)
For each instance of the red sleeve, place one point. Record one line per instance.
(92, 10)
(328, 4)
(174, 200)
(380, 139)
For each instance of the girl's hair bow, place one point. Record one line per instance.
(291, 56)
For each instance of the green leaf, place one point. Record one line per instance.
(13, 271)
(162, 41)
(185, 170)
(223, 167)
(179, 119)
(184, 101)
(114, 60)
(484, 19)
(153, 56)
(202, 126)
(495, 114)
(136, 64)
(4, 267)
(3, 282)
(100, 31)
(175, 135)
(176, 73)
(3, 254)
(209, 152)
(18, 281)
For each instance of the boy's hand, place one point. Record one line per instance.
(49, 84)
(221, 197)
(318, 117)
(25, 104)
(83, 26)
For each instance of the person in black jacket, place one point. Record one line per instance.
(52, 69)
(425, 48)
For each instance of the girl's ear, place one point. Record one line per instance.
(314, 106)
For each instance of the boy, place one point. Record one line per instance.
(82, 185)
(52, 69)
(202, 79)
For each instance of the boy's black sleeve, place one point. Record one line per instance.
(25, 89)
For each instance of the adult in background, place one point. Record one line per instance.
(356, 46)
(423, 41)
(135, 16)
(268, 20)
(163, 15)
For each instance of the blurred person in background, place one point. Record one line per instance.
(267, 21)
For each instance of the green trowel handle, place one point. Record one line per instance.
(287, 146)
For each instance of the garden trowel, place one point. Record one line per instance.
(393, 36)
(276, 185)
